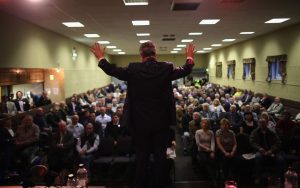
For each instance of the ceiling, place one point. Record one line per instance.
(111, 19)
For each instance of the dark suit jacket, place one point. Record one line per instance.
(26, 105)
(149, 104)
(67, 141)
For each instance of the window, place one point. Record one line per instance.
(249, 69)
(277, 68)
(219, 69)
(231, 69)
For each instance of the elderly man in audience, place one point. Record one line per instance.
(27, 137)
(235, 119)
(276, 107)
(22, 104)
(231, 102)
(87, 145)
(103, 118)
(54, 116)
(205, 141)
(75, 127)
(194, 125)
(247, 108)
(61, 152)
(227, 145)
(267, 144)
(211, 116)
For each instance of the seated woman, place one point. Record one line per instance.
(270, 124)
(227, 145)
(249, 124)
(205, 141)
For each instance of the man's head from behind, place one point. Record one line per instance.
(147, 50)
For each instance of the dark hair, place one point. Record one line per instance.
(147, 49)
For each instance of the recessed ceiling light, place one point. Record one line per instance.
(181, 45)
(216, 45)
(195, 33)
(209, 21)
(174, 52)
(187, 40)
(135, 2)
(111, 47)
(121, 52)
(103, 42)
(176, 49)
(73, 24)
(140, 22)
(200, 51)
(228, 40)
(143, 41)
(142, 34)
(117, 50)
(247, 32)
(207, 48)
(277, 20)
(92, 35)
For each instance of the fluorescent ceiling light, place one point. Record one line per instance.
(207, 48)
(176, 49)
(216, 45)
(143, 41)
(135, 2)
(111, 47)
(228, 40)
(92, 35)
(174, 52)
(73, 24)
(187, 40)
(195, 33)
(142, 34)
(247, 32)
(209, 21)
(103, 42)
(181, 45)
(277, 20)
(117, 50)
(140, 22)
(201, 51)
(121, 53)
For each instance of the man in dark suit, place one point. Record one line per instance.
(22, 104)
(149, 108)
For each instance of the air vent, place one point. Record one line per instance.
(168, 39)
(178, 6)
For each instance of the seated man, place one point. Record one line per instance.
(114, 129)
(61, 148)
(75, 127)
(86, 146)
(267, 144)
(27, 137)
(276, 107)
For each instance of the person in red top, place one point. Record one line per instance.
(149, 108)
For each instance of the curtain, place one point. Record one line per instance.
(231, 64)
(250, 61)
(282, 59)
(219, 69)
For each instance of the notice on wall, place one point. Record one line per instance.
(55, 91)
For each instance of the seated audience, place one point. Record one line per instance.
(285, 128)
(270, 124)
(216, 107)
(41, 121)
(103, 118)
(205, 141)
(227, 145)
(211, 116)
(265, 101)
(61, 152)
(74, 107)
(276, 107)
(22, 104)
(194, 125)
(187, 117)
(234, 117)
(247, 108)
(249, 124)
(8, 106)
(54, 117)
(267, 144)
(27, 137)
(87, 145)
(114, 129)
(75, 127)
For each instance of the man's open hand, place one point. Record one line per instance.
(190, 51)
(98, 51)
